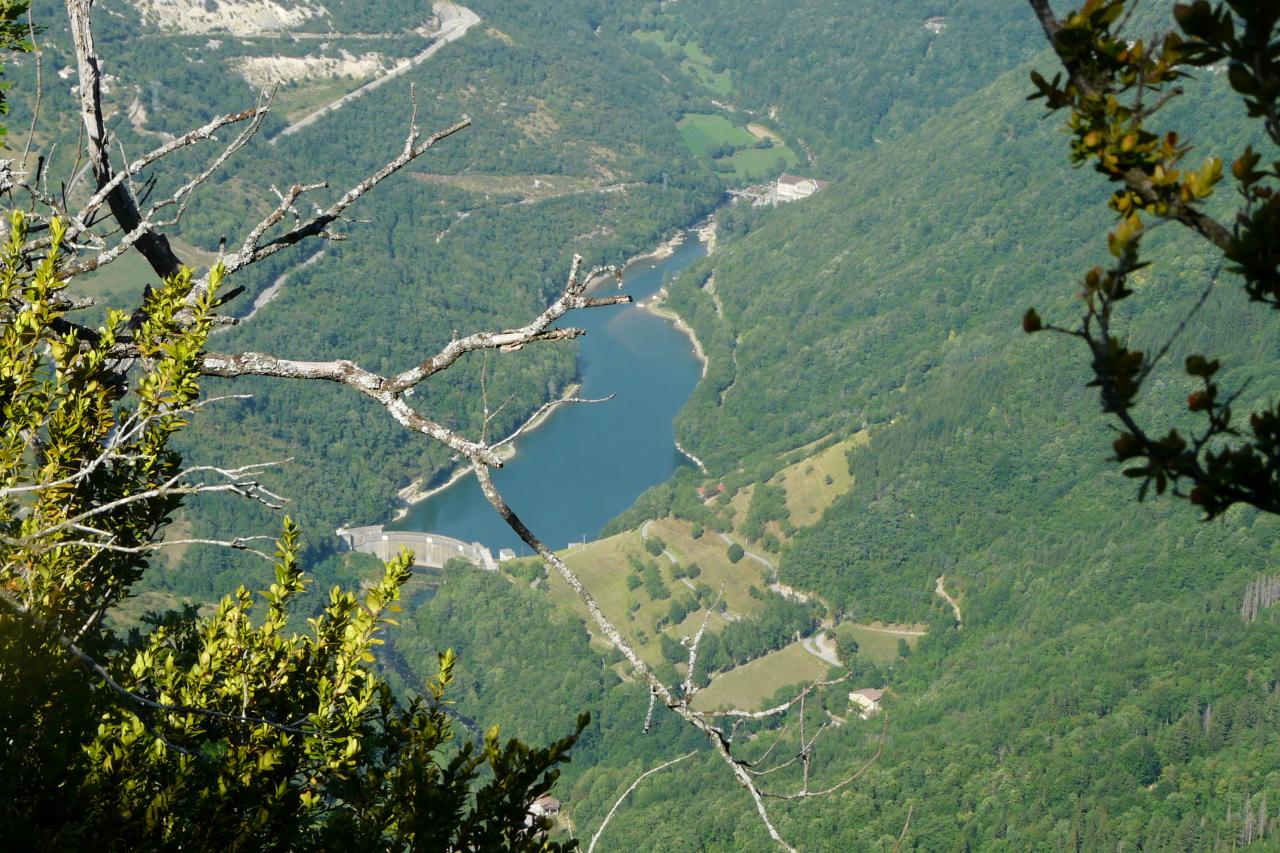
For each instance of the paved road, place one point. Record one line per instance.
(816, 646)
(644, 535)
(455, 20)
(761, 560)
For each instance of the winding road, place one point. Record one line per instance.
(941, 590)
(816, 645)
(644, 537)
(455, 20)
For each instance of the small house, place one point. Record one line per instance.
(867, 699)
(545, 806)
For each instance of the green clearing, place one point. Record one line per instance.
(719, 83)
(129, 612)
(604, 565)
(709, 553)
(703, 132)
(749, 686)
(812, 484)
(876, 643)
(755, 163)
(808, 492)
(696, 62)
(697, 54)
(659, 38)
(527, 187)
(298, 99)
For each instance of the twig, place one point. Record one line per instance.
(592, 846)
(902, 836)
(35, 110)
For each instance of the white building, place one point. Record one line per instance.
(794, 187)
(868, 699)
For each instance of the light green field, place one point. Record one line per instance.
(879, 645)
(805, 482)
(710, 553)
(702, 132)
(696, 54)
(808, 492)
(755, 163)
(603, 567)
(299, 99)
(659, 38)
(527, 187)
(120, 283)
(129, 612)
(750, 685)
(696, 63)
(719, 83)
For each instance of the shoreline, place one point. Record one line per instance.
(706, 234)
(705, 231)
(657, 307)
(663, 250)
(413, 494)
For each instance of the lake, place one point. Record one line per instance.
(588, 462)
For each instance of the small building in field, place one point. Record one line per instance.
(505, 554)
(794, 187)
(867, 700)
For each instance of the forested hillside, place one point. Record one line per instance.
(1112, 683)
(1104, 687)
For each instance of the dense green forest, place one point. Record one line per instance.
(1081, 705)
(1104, 691)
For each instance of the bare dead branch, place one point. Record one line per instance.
(543, 409)
(239, 543)
(35, 110)
(253, 252)
(857, 774)
(127, 431)
(178, 485)
(352, 375)
(648, 716)
(390, 392)
(594, 838)
(690, 688)
(180, 197)
(153, 246)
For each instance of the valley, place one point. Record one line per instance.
(826, 456)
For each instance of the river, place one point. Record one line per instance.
(587, 463)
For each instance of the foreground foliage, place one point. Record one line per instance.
(224, 731)
(1113, 88)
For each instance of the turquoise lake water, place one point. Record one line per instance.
(587, 463)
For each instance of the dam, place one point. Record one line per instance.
(429, 549)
